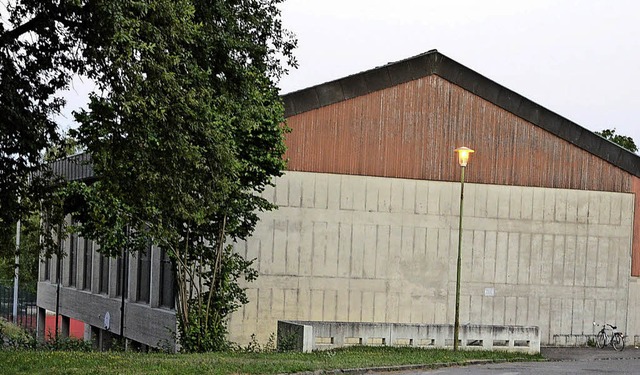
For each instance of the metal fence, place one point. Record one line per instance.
(26, 313)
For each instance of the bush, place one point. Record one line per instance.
(287, 343)
(13, 337)
(66, 344)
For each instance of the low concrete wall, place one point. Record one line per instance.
(573, 340)
(307, 336)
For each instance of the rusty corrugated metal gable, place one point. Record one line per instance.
(435, 63)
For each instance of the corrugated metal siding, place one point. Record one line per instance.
(410, 131)
(72, 168)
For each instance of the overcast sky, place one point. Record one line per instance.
(580, 59)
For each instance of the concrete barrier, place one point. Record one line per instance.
(576, 340)
(307, 336)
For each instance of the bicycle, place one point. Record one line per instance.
(603, 339)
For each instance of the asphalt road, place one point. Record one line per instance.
(559, 361)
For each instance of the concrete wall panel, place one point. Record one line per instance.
(370, 249)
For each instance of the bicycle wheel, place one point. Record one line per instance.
(617, 341)
(601, 340)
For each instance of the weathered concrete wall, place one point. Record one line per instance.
(355, 248)
(633, 317)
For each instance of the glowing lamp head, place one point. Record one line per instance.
(463, 155)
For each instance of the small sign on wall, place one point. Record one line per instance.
(489, 292)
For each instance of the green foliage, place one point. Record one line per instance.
(184, 136)
(13, 337)
(254, 346)
(29, 259)
(38, 235)
(202, 322)
(287, 343)
(621, 140)
(68, 344)
(36, 60)
(185, 130)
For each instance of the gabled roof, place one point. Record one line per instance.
(433, 62)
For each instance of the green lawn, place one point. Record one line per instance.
(59, 362)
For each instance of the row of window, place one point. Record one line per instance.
(165, 282)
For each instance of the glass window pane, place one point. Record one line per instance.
(104, 274)
(86, 274)
(144, 275)
(166, 281)
(73, 247)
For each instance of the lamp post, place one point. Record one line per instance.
(463, 158)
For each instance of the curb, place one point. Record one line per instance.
(424, 366)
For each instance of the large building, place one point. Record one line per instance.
(367, 229)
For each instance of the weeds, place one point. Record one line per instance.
(13, 337)
(287, 343)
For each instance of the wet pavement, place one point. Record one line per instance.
(558, 361)
(589, 353)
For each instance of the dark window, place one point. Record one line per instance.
(73, 265)
(88, 260)
(119, 265)
(144, 275)
(104, 274)
(47, 268)
(47, 260)
(60, 262)
(167, 288)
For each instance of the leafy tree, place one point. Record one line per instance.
(184, 130)
(184, 136)
(622, 140)
(36, 60)
(29, 251)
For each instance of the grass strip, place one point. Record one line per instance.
(59, 362)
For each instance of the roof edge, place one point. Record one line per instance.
(362, 83)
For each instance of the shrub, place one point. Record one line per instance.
(13, 337)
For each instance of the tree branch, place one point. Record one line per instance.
(54, 13)
(11, 35)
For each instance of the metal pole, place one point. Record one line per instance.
(16, 274)
(124, 281)
(456, 326)
(58, 277)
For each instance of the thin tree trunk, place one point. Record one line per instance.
(217, 263)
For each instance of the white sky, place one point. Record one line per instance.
(580, 59)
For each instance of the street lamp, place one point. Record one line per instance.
(463, 158)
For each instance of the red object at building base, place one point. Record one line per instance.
(76, 327)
